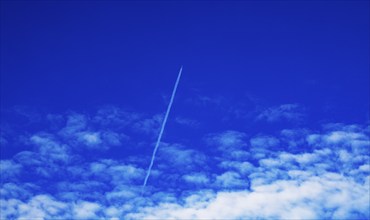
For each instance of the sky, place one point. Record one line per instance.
(270, 119)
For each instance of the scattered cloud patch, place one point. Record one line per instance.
(187, 122)
(293, 174)
(90, 138)
(149, 125)
(286, 112)
(196, 178)
(226, 140)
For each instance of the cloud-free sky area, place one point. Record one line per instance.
(270, 119)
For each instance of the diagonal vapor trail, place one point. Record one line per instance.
(161, 132)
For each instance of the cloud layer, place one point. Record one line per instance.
(72, 170)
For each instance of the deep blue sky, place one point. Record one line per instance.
(91, 81)
(63, 55)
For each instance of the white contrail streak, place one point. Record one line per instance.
(162, 129)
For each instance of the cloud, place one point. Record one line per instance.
(12, 190)
(243, 168)
(187, 122)
(294, 138)
(38, 207)
(90, 138)
(149, 125)
(114, 116)
(196, 178)
(286, 112)
(82, 131)
(307, 185)
(264, 142)
(292, 174)
(49, 148)
(314, 197)
(115, 172)
(226, 140)
(231, 179)
(86, 210)
(75, 123)
(113, 138)
(179, 157)
(9, 169)
(262, 146)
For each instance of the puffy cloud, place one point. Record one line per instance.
(49, 148)
(296, 174)
(328, 196)
(262, 146)
(38, 207)
(328, 180)
(11, 190)
(90, 138)
(242, 167)
(196, 178)
(117, 173)
(232, 180)
(180, 158)
(86, 210)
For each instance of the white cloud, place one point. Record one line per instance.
(315, 198)
(90, 138)
(86, 210)
(231, 180)
(113, 138)
(196, 178)
(264, 142)
(295, 174)
(329, 180)
(122, 193)
(149, 125)
(49, 148)
(11, 190)
(226, 140)
(9, 169)
(9, 208)
(117, 173)
(262, 146)
(242, 167)
(38, 207)
(180, 158)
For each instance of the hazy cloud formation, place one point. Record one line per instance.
(286, 112)
(289, 174)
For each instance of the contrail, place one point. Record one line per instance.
(162, 129)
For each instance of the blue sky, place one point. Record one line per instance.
(270, 120)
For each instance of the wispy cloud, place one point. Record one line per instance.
(149, 125)
(187, 122)
(286, 112)
(227, 139)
